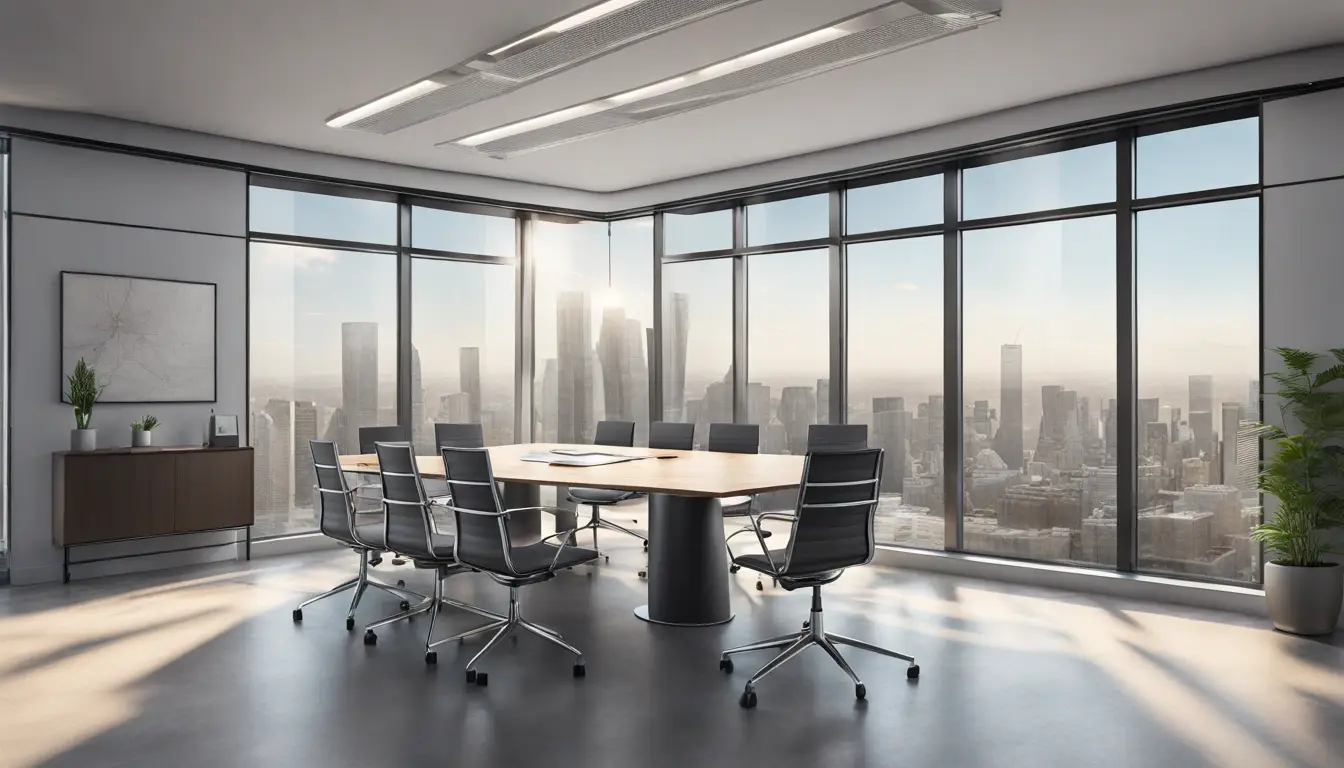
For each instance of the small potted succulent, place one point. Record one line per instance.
(141, 431)
(83, 391)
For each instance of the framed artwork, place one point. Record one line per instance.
(149, 340)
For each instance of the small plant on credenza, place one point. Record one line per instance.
(83, 392)
(141, 431)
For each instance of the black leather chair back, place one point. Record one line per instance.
(671, 436)
(459, 436)
(335, 513)
(734, 438)
(391, 434)
(836, 506)
(823, 438)
(619, 433)
(406, 519)
(482, 536)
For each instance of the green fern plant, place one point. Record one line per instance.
(1305, 471)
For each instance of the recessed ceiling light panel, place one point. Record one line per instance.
(888, 28)
(579, 37)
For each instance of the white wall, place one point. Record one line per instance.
(1304, 225)
(105, 202)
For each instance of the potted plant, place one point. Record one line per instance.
(1305, 472)
(140, 431)
(83, 392)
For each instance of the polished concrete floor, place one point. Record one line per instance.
(204, 667)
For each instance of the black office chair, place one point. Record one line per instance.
(736, 438)
(459, 436)
(671, 436)
(371, 436)
(832, 530)
(615, 433)
(827, 438)
(337, 520)
(483, 543)
(408, 530)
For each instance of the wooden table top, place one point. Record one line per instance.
(691, 473)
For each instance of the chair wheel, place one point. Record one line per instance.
(606, 558)
(580, 670)
(643, 574)
(734, 568)
(400, 582)
(748, 700)
(482, 679)
(404, 605)
(398, 561)
(370, 638)
(912, 673)
(760, 587)
(375, 562)
(471, 675)
(860, 692)
(646, 546)
(726, 665)
(349, 623)
(431, 657)
(807, 624)
(298, 615)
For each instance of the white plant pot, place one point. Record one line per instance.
(141, 438)
(83, 440)
(1304, 601)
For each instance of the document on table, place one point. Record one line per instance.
(578, 458)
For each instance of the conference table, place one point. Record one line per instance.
(688, 567)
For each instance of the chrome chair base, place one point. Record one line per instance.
(504, 627)
(360, 584)
(812, 634)
(597, 521)
(432, 606)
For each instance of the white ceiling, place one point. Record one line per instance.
(274, 70)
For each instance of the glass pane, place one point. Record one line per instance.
(459, 232)
(1039, 317)
(323, 363)
(692, 233)
(1198, 272)
(1206, 157)
(698, 343)
(592, 319)
(900, 204)
(784, 221)
(286, 212)
(896, 380)
(1081, 176)
(462, 342)
(788, 347)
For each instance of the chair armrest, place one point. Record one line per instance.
(788, 517)
(551, 510)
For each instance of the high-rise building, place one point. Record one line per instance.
(1112, 430)
(1150, 409)
(281, 461)
(550, 402)
(676, 330)
(305, 431)
(1201, 393)
(797, 411)
(758, 403)
(574, 372)
(889, 434)
(1201, 425)
(981, 422)
(1253, 400)
(1232, 416)
(469, 380)
(613, 355)
(359, 379)
(422, 434)
(635, 333)
(1008, 440)
(823, 401)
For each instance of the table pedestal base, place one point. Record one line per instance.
(688, 565)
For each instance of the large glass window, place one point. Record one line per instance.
(444, 230)
(1198, 291)
(698, 343)
(1205, 157)
(462, 348)
(895, 340)
(593, 311)
(1038, 320)
(786, 221)
(695, 232)
(332, 217)
(897, 205)
(788, 347)
(323, 363)
(1080, 176)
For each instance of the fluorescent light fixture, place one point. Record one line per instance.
(393, 99)
(884, 29)
(570, 22)
(530, 124)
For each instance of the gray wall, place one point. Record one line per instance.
(105, 201)
(1304, 225)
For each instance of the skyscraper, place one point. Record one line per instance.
(574, 376)
(1253, 400)
(1232, 416)
(1201, 393)
(422, 435)
(1149, 409)
(305, 430)
(281, 446)
(359, 379)
(469, 380)
(550, 401)
(676, 319)
(1008, 440)
(797, 411)
(889, 434)
(613, 355)
(823, 401)
(1201, 424)
(639, 378)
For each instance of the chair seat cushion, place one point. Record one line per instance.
(802, 568)
(598, 495)
(536, 558)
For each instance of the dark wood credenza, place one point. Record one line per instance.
(116, 494)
